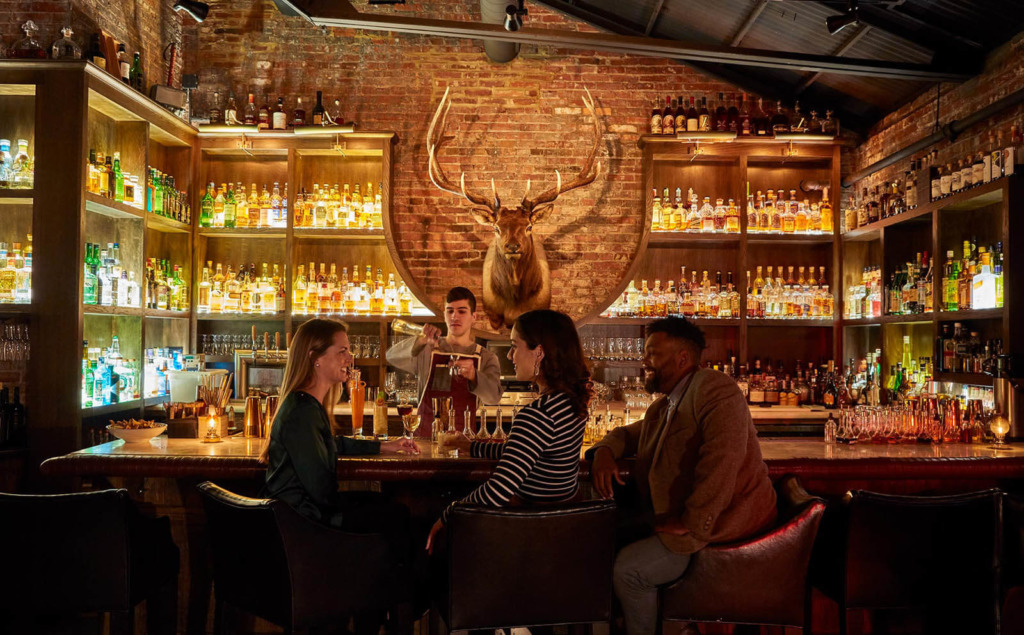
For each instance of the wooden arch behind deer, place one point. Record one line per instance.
(516, 276)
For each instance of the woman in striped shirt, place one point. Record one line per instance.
(540, 460)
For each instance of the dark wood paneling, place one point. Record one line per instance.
(788, 344)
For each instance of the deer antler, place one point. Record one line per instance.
(437, 175)
(585, 177)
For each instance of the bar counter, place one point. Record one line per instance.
(812, 460)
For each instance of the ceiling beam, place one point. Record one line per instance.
(326, 13)
(733, 75)
(655, 14)
(748, 22)
(839, 52)
(902, 25)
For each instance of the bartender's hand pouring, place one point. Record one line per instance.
(431, 334)
(465, 368)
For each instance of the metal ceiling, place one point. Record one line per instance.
(949, 32)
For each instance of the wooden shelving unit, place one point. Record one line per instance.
(983, 213)
(726, 170)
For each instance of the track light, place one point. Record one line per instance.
(836, 23)
(198, 10)
(514, 16)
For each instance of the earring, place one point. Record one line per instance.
(317, 364)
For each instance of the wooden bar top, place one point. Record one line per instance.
(811, 458)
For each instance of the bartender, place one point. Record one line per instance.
(453, 369)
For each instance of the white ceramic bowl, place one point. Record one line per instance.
(139, 435)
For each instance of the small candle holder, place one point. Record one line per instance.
(211, 427)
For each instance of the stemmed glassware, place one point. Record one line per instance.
(410, 417)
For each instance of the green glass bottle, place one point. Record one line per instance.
(118, 179)
(158, 193)
(229, 207)
(206, 207)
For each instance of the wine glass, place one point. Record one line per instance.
(391, 383)
(482, 434)
(410, 419)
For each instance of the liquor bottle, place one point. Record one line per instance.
(759, 120)
(95, 53)
(656, 222)
(138, 79)
(668, 118)
(279, 118)
(118, 178)
(230, 205)
(744, 125)
(250, 111)
(206, 207)
(299, 114)
(779, 122)
(732, 219)
(692, 117)
(215, 114)
(124, 66)
(733, 116)
(797, 122)
(263, 117)
(318, 110)
(704, 116)
(825, 209)
(720, 122)
(231, 110)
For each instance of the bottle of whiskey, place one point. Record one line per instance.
(299, 114)
(668, 118)
(250, 111)
(318, 110)
(279, 118)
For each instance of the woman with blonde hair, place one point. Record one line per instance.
(301, 452)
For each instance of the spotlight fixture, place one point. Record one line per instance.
(198, 10)
(836, 23)
(514, 16)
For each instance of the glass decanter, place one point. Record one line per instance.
(65, 48)
(28, 48)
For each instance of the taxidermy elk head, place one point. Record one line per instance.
(516, 275)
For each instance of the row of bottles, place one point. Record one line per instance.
(272, 117)
(156, 379)
(107, 376)
(163, 199)
(799, 297)
(18, 171)
(774, 385)
(13, 420)
(960, 350)
(702, 299)
(693, 218)
(229, 206)
(106, 282)
(864, 300)
(909, 291)
(331, 208)
(998, 159)
(106, 178)
(974, 281)
(765, 214)
(30, 48)
(736, 115)
(241, 292)
(327, 294)
(927, 179)
(16, 273)
(166, 290)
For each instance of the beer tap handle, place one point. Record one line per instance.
(277, 341)
(254, 345)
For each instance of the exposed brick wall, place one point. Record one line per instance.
(1003, 74)
(511, 122)
(143, 25)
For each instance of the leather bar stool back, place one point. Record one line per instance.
(528, 566)
(272, 562)
(939, 554)
(762, 580)
(91, 551)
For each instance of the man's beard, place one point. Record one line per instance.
(652, 383)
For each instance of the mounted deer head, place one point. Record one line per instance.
(516, 275)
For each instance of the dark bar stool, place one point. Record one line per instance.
(525, 566)
(1013, 568)
(272, 562)
(762, 580)
(939, 554)
(85, 552)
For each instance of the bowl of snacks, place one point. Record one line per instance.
(135, 430)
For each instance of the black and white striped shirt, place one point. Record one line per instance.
(541, 459)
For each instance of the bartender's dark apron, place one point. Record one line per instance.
(442, 385)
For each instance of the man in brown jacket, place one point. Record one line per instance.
(698, 470)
